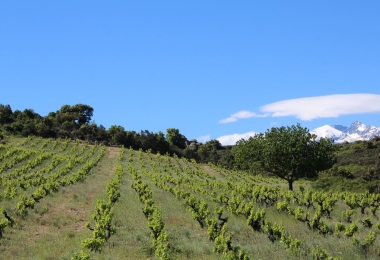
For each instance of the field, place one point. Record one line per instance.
(71, 200)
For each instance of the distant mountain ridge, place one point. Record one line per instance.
(357, 131)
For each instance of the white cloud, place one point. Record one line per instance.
(232, 139)
(309, 108)
(204, 138)
(240, 115)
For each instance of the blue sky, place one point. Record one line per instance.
(208, 68)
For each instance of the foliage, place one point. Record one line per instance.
(351, 230)
(174, 137)
(81, 256)
(368, 241)
(290, 153)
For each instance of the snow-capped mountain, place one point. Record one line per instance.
(357, 131)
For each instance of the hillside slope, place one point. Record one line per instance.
(140, 205)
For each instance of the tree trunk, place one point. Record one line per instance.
(290, 184)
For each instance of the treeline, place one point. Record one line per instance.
(74, 122)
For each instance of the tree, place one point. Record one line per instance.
(5, 114)
(226, 158)
(90, 132)
(79, 114)
(117, 135)
(290, 153)
(84, 113)
(174, 137)
(154, 141)
(44, 128)
(132, 139)
(209, 151)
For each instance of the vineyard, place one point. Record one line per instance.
(61, 199)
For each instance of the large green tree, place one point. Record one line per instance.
(290, 153)
(79, 113)
(117, 134)
(174, 137)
